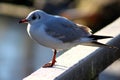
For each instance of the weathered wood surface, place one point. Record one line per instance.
(112, 72)
(83, 62)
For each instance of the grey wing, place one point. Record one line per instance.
(65, 30)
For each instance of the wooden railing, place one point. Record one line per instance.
(83, 62)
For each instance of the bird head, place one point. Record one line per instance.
(34, 17)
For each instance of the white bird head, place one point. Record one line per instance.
(35, 16)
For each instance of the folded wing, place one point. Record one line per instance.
(66, 30)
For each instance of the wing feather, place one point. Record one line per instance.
(65, 30)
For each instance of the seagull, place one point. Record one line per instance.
(59, 33)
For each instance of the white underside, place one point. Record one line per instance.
(42, 38)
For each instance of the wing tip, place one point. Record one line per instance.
(96, 37)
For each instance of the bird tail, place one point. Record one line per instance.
(97, 37)
(98, 44)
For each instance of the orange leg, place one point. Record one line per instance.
(53, 60)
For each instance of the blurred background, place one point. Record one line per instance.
(19, 55)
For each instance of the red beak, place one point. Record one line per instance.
(23, 21)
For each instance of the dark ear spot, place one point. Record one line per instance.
(39, 17)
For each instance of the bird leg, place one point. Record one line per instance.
(53, 60)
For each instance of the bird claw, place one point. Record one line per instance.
(48, 65)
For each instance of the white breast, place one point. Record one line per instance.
(39, 35)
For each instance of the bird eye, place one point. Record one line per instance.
(34, 17)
